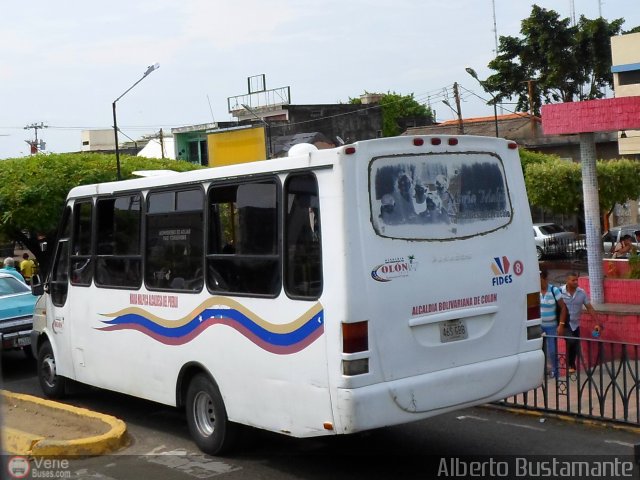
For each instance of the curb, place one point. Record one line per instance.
(17, 442)
(566, 418)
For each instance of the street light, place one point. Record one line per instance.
(150, 69)
(483, 84)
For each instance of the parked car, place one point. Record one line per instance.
(553, 239)
(611, 238)
(16, 313)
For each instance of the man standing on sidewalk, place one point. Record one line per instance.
(27, 268)
(574, 298)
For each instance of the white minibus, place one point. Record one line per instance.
(325, 293)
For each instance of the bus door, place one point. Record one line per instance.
(58, 319)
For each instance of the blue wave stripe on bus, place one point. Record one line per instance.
(281, 339)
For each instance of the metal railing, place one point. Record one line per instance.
(563, 248)
(604, 386)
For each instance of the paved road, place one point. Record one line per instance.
(160, 446)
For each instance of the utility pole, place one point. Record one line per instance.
(531, 109)
(161, 144)
(35, 146)
(456, 94)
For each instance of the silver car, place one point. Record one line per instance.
(552, 239)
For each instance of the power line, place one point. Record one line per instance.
(434, 95)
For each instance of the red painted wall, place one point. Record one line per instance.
(591, 116)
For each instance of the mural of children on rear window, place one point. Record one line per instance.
(398, 207)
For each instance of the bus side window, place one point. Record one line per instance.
(59, 275)
(59, 279)
(119, 259)
(303, 259)
(175, 240)
(81, 272)
(243, 253)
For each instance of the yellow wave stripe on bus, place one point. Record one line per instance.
(227, 302)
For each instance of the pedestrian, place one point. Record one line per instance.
(624, 248)
(27, 268)
(575, 298)
(9, 267)
(552, 311)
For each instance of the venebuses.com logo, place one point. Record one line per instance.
(18, 467)
(39, 467)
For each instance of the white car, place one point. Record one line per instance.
(553, 239)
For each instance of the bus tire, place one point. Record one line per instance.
(52, 385)
(207, 417)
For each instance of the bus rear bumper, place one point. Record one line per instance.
(422, 396)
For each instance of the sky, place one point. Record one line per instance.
(63, 63)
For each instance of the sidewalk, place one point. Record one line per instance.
(32, 426)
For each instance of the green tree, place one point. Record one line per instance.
(556, 184)
(396, 106)
(566, 63)
(33, 194)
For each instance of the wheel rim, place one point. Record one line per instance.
(203, 414)
(49, 370)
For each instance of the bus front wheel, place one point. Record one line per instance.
(207, 417)
(53, 385)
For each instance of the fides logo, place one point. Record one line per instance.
(500, 267)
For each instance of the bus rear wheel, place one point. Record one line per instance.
(207, 417)
(53, 385)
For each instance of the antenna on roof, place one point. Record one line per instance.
(495, 26)
(572, 8)
(213, 119)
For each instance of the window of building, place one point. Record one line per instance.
(629, 78)
(81, 260)
(204, 153)
(243, 255)
(175, 239)
(119, 259)
(302, 245)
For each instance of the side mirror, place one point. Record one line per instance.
(37, 287)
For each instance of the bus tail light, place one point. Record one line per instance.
(355, 337)
(350, 150)
(512, 145)
(436, 141)
(533, 306)
(453, 141)
(355, 340)
(418, 141)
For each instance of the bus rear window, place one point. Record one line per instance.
(438, 196)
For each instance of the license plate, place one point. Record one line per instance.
(453, 330)
(23, 341)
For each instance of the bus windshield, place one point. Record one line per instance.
(438, 196)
